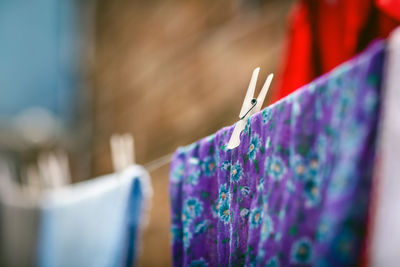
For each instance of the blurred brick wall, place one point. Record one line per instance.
(171, 72)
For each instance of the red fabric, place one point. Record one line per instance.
(325, 33)
(390, 7)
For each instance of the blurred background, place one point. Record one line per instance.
(72, 73)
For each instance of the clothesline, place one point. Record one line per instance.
(158, 163)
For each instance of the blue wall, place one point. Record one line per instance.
(39, 57)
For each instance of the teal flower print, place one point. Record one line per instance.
(273, 262)
(260, 256)
(224, 147)
(254, 146)
(318, 109)
(312, 192)
(226, 166)
(209, 166)
(210, 138)
(370, 102)
(324, 229)
(176, 233)
(193, 178)
(267, 227)
(352, 139)
(260, 186)
(192, 208)
(306, 168)
(224, 211)
(201, 227)
(290, 186)
(187, 236)
(224, 194)
(266, 115)
(275, 167)
(217, 159)
(255, 217)
(215, 209)
(178, 172)
(282, 214)
(236, 172)
(186, 220)
(245, 190)
(296, 108)
(339, 112)
(247, 129)
(313, 164)
(244, 212)
(187, 149)
(198, 263)
(265, 198)
(300, 167)
(339, 185)
(301, 252)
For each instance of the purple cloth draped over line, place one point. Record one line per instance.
(296, 190)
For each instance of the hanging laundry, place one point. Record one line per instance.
(296, 190)
(326, 33)
(92, 223)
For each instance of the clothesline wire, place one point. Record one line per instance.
(161, 161)
(158, 163)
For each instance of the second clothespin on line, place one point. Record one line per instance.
(122, 151)
(250, 106)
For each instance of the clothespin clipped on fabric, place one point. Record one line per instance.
(122, 151)
(250, 106)
(53, 169)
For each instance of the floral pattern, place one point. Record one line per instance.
(193, 178)
(198, 263)
(209, 166)
(236, 172)
(254, 146)
(224, 193)
(275, 167)
(273, 262)
(301, 251)
(192, 208)
(255, 217)
(224, 211)
(267, 227)
(177, 172)
(296, 190)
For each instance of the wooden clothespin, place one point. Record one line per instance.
(250, 106)
(122, 151)
(54, 169)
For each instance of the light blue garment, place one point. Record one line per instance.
(92, 223)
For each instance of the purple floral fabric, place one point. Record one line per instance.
(296, 190)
